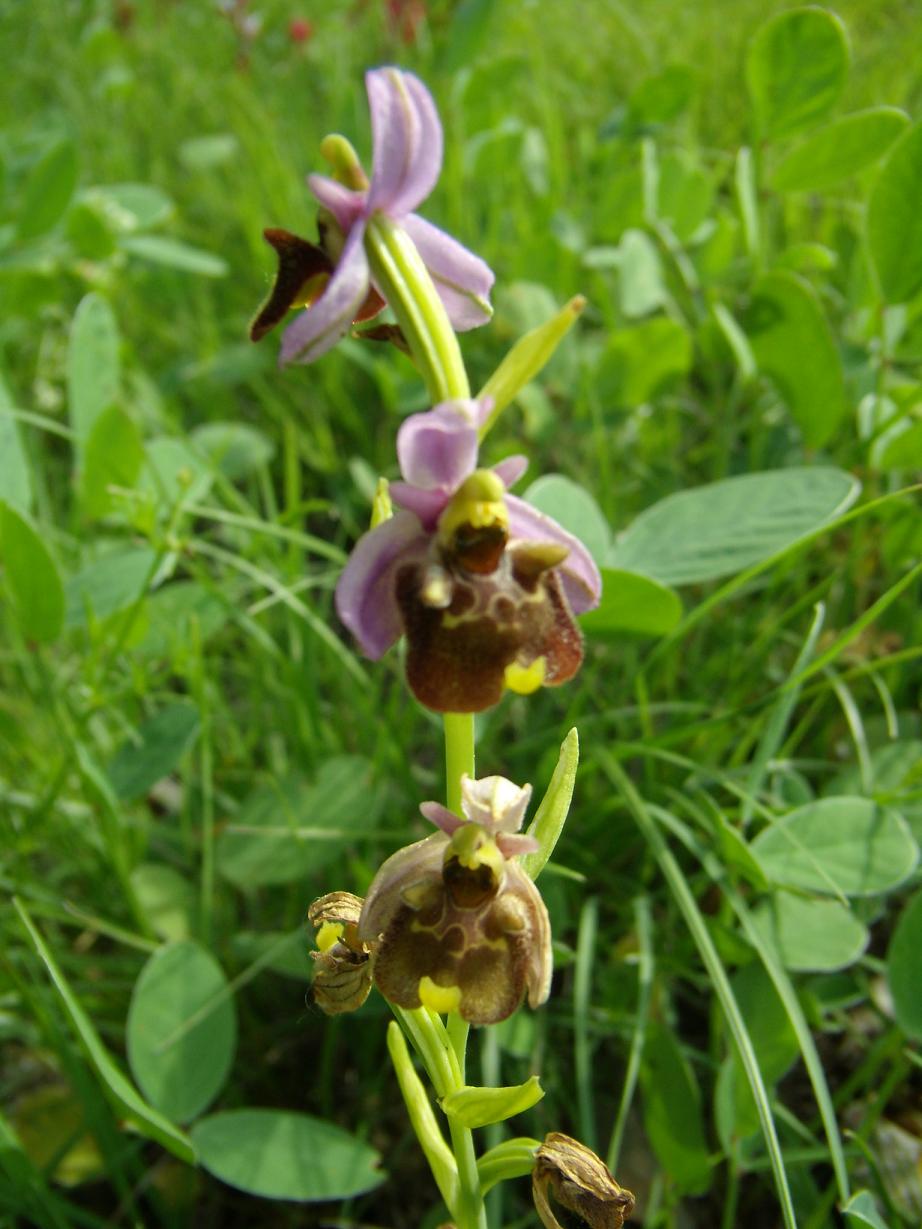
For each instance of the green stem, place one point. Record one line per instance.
(459, 755)
(398, 269)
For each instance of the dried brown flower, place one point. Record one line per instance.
(579, 1182)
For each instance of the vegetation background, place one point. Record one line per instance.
(190, 750)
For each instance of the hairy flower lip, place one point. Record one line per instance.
(407, 147)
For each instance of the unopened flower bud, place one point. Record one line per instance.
(342, 972)
(580, 1182)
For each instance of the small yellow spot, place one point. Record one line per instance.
(311, 291)
(435, 590)
(523, 680)
(328, 934)
(439, 998)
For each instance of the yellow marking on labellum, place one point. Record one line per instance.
(524, 680)
(439, 998)
(329, 934)
(311, 291)
(436, 589)
(478, 502)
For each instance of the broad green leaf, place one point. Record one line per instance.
(132, 206)
(154, 752)
(672, 1113)
(796, 66)
(662, 97)
(31, 577)
(839, 846)
(812, 935)
(903, 969)
(840, 149)
(900, 447)
(641, 288)
(551, 815)
(571, 505)
(150, 1123)
(15, 476)
(173, 610)
(281, 1155)
(479, 1107)
(176, 255)
(638, 362)
(861, 1209)
(113, 456)
(182, 1030)
(233, 448)
(632, 603)
(287, 830)
(92, 364)
(784, 321)
(727, 526)
(165, 898)
(107, 586)
(894, 223)
(48, 191)
(88, 231)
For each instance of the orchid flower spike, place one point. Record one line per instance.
(453, 922)
(333, 280)
(484, 586)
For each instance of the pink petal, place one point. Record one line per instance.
(437, 450)
(511, 470)
(319, 327)
(345, 205)
(513, 844)
(581, 580)
(462, 279)
(442, 817)
(365, 597)
(407, 141)
(427, 505)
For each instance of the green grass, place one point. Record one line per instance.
(691, 743)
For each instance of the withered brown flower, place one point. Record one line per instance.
(342, 973)
(580, 1182)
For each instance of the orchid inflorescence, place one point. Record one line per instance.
(485, 590)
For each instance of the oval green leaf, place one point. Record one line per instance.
(107, 586)
(165, 898)
(672, 1113)
(839, 846)
(894, 220)
(727, 526)
(181, 1030)
(15, 472)
(810, 935)
(903, 969)
(31, 577)
(639, 362)
(796, 67)
(48, 191)
(175, 255)
(840, 149)
(280, 1155)
(233, 448)
(481, 1107)
(632, 603)
(154, 751)
(784, 321)
(113, 457)
(573, 507)
(92, 364)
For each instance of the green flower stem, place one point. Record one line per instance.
(404, 280)
(459, 755)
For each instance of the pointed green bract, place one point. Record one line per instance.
(480, 1107)
(551, 815)
(513, 1158)
(527, 357)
